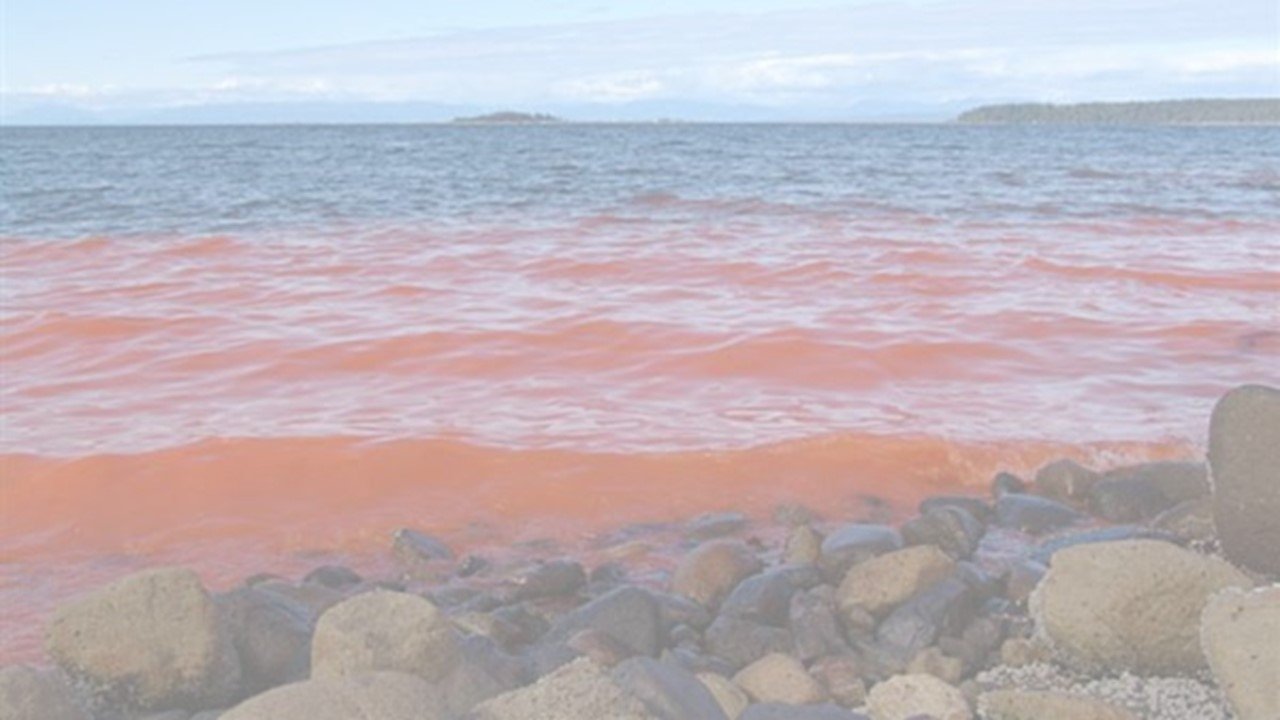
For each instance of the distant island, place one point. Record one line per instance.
(1265, 111)
(508, 117)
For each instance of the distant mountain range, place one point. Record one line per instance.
(508, 117)
(1263, 111)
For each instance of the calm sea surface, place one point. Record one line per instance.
(202, 326)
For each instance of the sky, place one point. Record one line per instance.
(297, 60)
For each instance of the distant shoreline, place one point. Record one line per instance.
(1253, 112)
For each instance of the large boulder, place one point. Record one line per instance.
(1244, 456)
(151, 641)
(272, 636)
(1041, 705)
(1240, 634)
(1140, 492)
(630, 615)
(384, 631)
(29, 694)
(881, 584)
(709, 573)
(1129, 606)
(383, 695)
(667, 690)
(580, 690)
(903, 697)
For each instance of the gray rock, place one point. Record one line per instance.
(1024, 575)
(1007, 482)
(944, 607)
(384, 695)
(1244, 453)
(763, 598)
(272, 636)
(842, 678)
(951, 528)
(1141, 492)
(742, 642)
(853, 544)
(630, 615)
(1045, 551)
(677, 610)
(1129, 606)
(419, 554)
(668, 691)
(1041, 705)
(338, 577)
(549, 579)
(709, 573)
(384, 631)
(978, 507)
(781, 711)
(29, 694)
(714, 525)
(482, 671)
(729, 696)
(814, 627)
(1190, 521)
(1240, 634)
(152, 641)
(1034, 515)
(1066, 481)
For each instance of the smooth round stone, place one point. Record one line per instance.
(1244, 456)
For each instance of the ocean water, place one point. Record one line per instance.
(242, 348)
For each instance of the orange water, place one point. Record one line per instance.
(265, 402)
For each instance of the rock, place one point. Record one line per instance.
(905, 696)
(853, 544)
(804, 546)
(601, 647)
(880, 584)
(1140, 492)
(840, 676)
(1244, 453)
(420, 555)
(729, 697)
(630, 615)
(550, 579)
(1038, 705)
(272, 637)
(715, 525)
(713, 570)
(384, 631)
(482, 671)
(1065, 481)
(1007, 482)
(383, 695)
(337, 577)
(742, 642)
(1129, 606)
(944, 607)
(814, 627)
(932, 661)
(1018, 652)
(1033, 515)
(153, 641)
(1190, 521)
(314, 597)
(782, 711)
(780, 678)
(1043, 554)
(794, 515)
(1240, 634)
(668, 691)
(28, 694)
(1024, 575)
(763, 598)
(952, 529)
(978, 507)
(580, 690)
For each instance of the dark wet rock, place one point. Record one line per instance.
(1140, 492)
(1190, 521)
(842, 678)
(555, 578)
(668, 691)
(1034, 515)
(481, 671)
(272, 636)
(608, 576)
(1045, 551)
(697, 662)
(853, 544)
(457, 596)
(1007, 482)
(416, 550)
(711, 571)
(1244, 452)
(677, 610)
(30, 694)
(763, 598)
(1024, 575)
(780, 711)
(515, 625)
(604, 649)
(152, 641)
(742, 642)
(338, 577)
(472, 565)
(313, 597)
(944, 607)
(978, 507)
(715, 525)
(814, 628)
(951, 528)
(630, 615)
(1066, 481)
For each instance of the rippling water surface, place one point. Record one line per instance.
(221, 342)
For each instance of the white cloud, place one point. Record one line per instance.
(622, 87)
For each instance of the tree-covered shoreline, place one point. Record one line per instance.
(1262, 111)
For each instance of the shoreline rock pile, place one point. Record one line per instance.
(1140, 593)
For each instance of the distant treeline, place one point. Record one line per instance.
(508, 117)
(1264, 111)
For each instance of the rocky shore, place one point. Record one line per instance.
(1144, 592)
